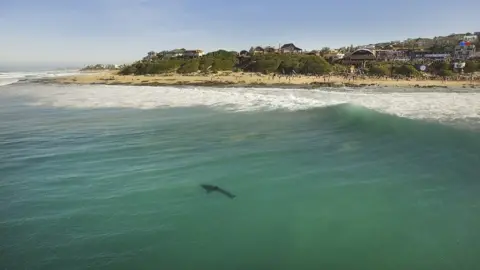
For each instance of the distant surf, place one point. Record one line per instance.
(12, 77)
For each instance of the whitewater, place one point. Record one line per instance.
(438, 106)
(12, 77)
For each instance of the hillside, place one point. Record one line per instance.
(229, 61)
(308, 63)
(435, 44)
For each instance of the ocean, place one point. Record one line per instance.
(13, 75)
(108, 177)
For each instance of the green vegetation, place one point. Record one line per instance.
(471, 66)
(339, 69)
(190, 66)
(227, 61)
(380, 69)
(439, 67)
(406, 70)
(446, 73)
(215, 61)
(392, 69)
(99, 67)
(270, 63)
(286, 64)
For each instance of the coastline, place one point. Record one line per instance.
(243, 79)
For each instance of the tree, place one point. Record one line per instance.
(324, 51)
(440, 67)
(287, 67)
(379, 70)
(315, 65)
(407, 70)
(446, 73)
(190, 66)
(127, 70)
(471, 66)
(339, 69)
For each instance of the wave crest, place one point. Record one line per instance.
(439, 106)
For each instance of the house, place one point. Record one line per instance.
(193, 53)
(437, 56)
(243, 53)
(392, 55)
(362, 55)
(471, 38)
(333, 56)
(359, 56)
(463, 52)
(290, 48)
(175, 53)
(257, 50)
(429, 55)
(162, 54)
(338, 56)
(270, 49)
(476, 56)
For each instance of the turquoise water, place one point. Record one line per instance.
(105, 179)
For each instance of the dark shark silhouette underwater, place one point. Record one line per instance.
(211, 188)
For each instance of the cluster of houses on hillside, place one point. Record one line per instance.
(101, 67)
(287, 48)
(174, 53)
(463, 51)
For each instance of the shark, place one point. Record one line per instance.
(211, 188)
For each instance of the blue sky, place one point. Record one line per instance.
(119, 31)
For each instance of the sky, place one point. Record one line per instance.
(122, 31)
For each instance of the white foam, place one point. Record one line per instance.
(8, 81)
(441, 106)
(7, 78)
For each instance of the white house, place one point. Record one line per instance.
(470, 38)
(290, 48)
(334, 56)
(174, 53)
(193, 53)
(463, 52)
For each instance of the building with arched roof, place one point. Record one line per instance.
(362, 55)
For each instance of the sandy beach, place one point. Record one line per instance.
(253, 79)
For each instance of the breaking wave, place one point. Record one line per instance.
(443, 107)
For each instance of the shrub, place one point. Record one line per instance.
(190, 66)
(380, 70)
(471, 66)
(407, 70)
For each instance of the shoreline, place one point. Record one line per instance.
(252, 80)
